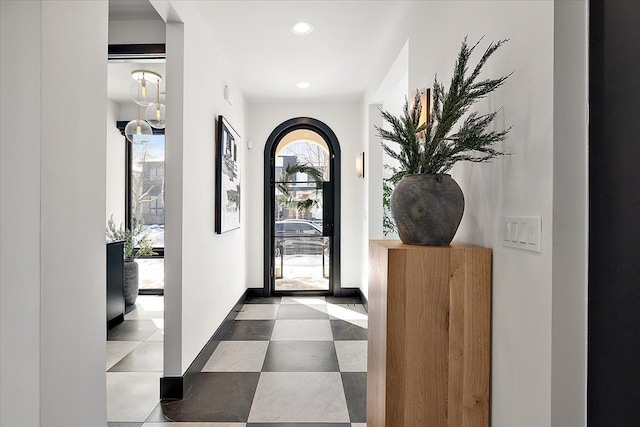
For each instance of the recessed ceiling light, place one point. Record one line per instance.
(302, 85)
(301, 28)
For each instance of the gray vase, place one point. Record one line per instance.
(130, 281)
(427, 209)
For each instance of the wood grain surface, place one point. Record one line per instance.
(429, 335)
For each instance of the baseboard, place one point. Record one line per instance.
(256, 293)
(115, 321)
(172, 388)
(364, 300)
(175, 387)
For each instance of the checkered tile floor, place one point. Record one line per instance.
(284, 362)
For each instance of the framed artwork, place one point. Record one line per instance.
(227, 177)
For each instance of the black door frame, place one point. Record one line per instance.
(274, 139)
(613, 378)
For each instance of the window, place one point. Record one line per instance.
(146, 188)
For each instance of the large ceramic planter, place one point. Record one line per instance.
(427, 209)
(130, 281)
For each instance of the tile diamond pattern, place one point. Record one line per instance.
(285, 362)
(314, 370)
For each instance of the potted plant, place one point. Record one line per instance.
(426, 203)
(136, 244)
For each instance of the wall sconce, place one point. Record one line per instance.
(360, 165)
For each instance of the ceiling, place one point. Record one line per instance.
(131, 10)
(267, 59)
(119, 78)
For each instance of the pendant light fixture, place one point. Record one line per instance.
(146, 84)
(143, 88)
(138, 131)
(155, 113)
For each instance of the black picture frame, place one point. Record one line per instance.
(228, 190)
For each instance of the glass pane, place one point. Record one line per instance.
(300, 200)
(147, 187)
(302, 263)
(301, 252)
(150, 273)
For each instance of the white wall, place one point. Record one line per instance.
(388, 95)
(205, 272)
(115, 165)
(570, 175)
(53, 253)
(20, 84)
(345, 119)
(393, 103)
(72, 209)
(520, 184)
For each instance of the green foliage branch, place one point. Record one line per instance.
(441, 147)
(132, 238)
(287, 198)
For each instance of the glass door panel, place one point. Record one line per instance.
(301, 251)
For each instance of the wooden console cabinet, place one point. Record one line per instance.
(429, 353)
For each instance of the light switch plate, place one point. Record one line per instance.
(522, 232)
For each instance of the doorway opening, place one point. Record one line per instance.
(302, 209)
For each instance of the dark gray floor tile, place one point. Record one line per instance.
(215, 397)
(299, 425)
(146, 357)
(250, 330)
(132, 330)
(345, 331)
(301, 356)
(263, 300)
(157, 416)
(355, 390)
(299, 311)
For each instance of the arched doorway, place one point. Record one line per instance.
(302, 209)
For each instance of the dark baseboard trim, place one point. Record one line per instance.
(115, 321)
(349, 292)
(364, 300)
(172, 388)
(151, 291)
(256, 293)
(344, 292)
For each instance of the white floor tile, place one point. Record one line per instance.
(358, 425)
(157, 336)
(159, 322)
(131, 396)
(237, 356)
(299, 397)
(116, 350)
(303, 300)
(258, 312)
(301, 330)
(139, 314)
(352, 355)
